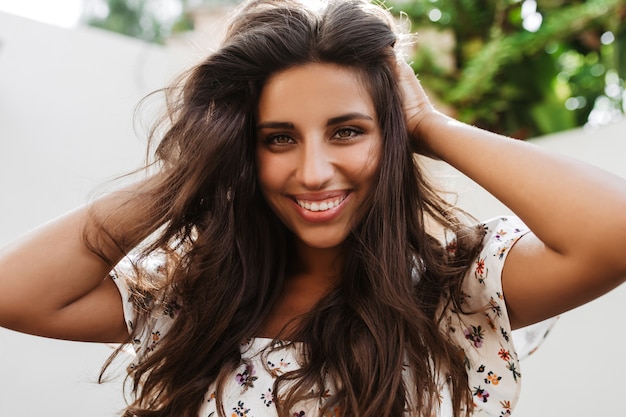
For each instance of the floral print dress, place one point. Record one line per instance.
(485, 336)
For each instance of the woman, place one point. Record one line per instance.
(288, 256)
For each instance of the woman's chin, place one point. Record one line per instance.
(322, 242)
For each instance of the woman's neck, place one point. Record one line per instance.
(323, 266)
(312, 274)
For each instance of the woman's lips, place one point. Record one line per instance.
(320, 207)
(323, 205)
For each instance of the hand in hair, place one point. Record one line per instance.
(575, 253)
(417, 107)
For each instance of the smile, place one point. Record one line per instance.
(320, 205)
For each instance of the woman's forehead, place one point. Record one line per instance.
(320, 88)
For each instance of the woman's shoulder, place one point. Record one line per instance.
(150, 305)
(480, 325)
(482, 282)
(503, 229)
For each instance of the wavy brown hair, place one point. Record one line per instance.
(228, 251)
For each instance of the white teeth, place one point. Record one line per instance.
(323, 206)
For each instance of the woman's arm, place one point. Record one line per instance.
(576, 211)
(53, 285)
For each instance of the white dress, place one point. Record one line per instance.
(491, 358)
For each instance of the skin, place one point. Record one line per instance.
(318, 145)
(62, 291)
(574, 254)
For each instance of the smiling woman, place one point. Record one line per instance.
(318, 150)
(286, 255)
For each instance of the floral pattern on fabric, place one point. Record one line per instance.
(484, 336)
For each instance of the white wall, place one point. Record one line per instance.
(66, 110)
(66, 106)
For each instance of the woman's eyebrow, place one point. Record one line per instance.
(275, 125)
(347, 117)
(332, 121)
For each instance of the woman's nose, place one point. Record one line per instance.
(316, 168)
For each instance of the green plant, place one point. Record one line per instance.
(519, 67)
(150, 20)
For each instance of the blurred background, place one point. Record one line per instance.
(72, 72)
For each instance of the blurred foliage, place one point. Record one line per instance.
(150, 20)
(518, 67)
(522, 68)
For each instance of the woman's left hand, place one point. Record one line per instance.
(417, 107)
(576, 211)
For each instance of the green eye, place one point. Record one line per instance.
(279, 140)
(347, 133)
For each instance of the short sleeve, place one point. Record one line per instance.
(483, 330)
(159, 311)
(119, 276)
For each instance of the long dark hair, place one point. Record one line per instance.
(227, 250)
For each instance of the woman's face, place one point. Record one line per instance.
(318, 149)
